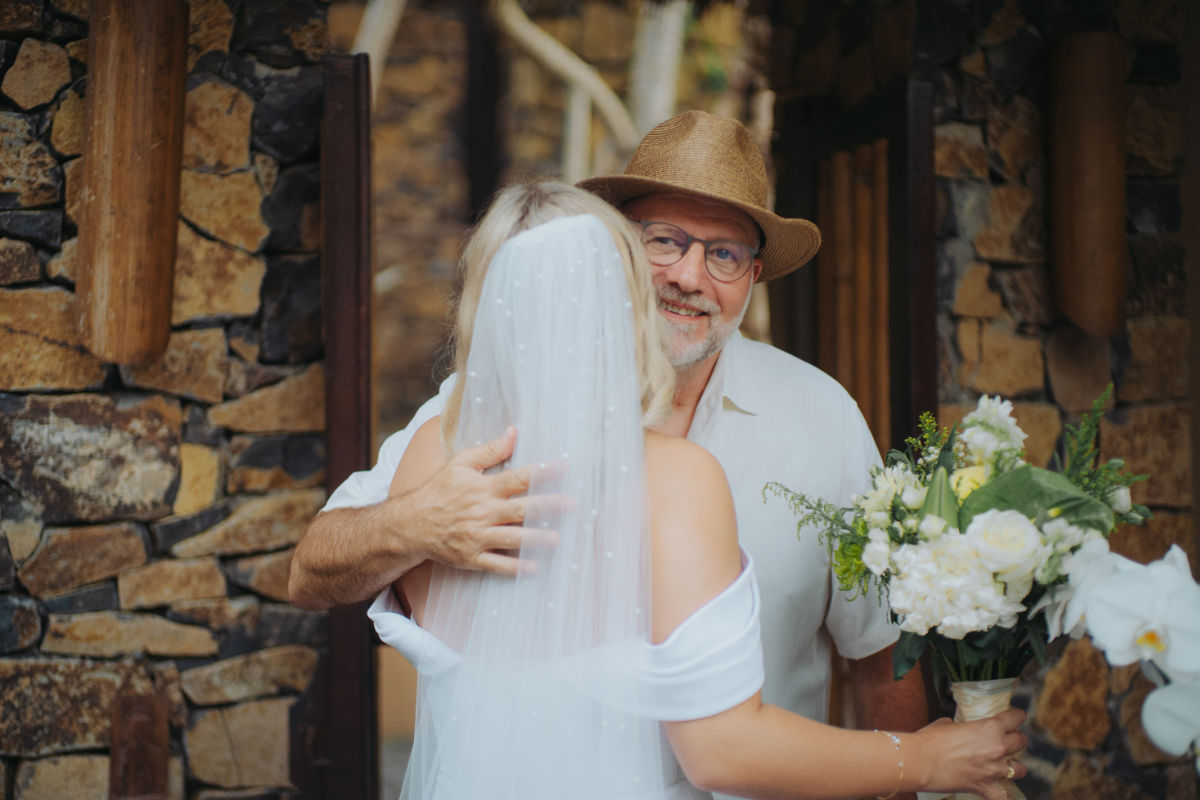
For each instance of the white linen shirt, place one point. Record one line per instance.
(766, 416)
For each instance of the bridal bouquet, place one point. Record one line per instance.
(977, 553)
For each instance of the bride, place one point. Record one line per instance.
(626, 663)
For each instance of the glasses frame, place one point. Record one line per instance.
(754, 251)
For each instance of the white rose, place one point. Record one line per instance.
(1007, 543)
(879, 519)
(913, 496)
(875, 557)
(932, 526)
(1118, 497)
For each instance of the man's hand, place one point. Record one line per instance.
(476, 515)
(458, 516)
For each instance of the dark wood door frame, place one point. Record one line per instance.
(902, 114)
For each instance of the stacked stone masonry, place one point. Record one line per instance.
(998, 329)
(148, 512)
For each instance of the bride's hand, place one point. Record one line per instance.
(973, 756)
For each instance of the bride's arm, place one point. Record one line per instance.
(758, 750)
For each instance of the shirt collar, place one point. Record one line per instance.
(728, 389)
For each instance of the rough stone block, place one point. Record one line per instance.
(293, 209)
(63, 263)
(193, 366)
(1154, 136)
(1079, 367)
(21, 16)
(1027, 294)
(40, 227)
(96, 597)
(959, 151)
(18, 262)
(1151, 20)
(241, 746)
(291, 307)
(77, 50)
(1072, 705)
(1015, 138)
(216, 136)
(66, 134)
(1160, 279)
(20, 523)
(77, 777)
(1082, 777)
(295, 404)
(106, 634)
(165, 582)
(285, 119)
(1013, 64)
(257, 524)
(1004, 22)
(975, 297)
(210, 27)
(243, 339)
(259, 674)
(219, 614)
(8, 569)
(1148, 438)
(1158, 360)
(264, 463)
(213, 279)
(29, 175)
(267, 575)
(199, 478)
(227, 207)
(73, 187)
(276, 625)
(73, 557)
(40, 346)
(244, 377)
(91, 457)
(65, 704)
(1015, 231)
(39, 71)
(283, 32)
(1154, 206)
(1043, 423)
(80, 9)
(20, 625)
(998, 360)
(1150, 542)
(172, 530)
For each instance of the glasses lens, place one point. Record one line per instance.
(665, 244)
(728, 260)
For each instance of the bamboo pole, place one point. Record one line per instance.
(132, 158)
(1087, 177)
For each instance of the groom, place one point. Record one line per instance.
(698, 187)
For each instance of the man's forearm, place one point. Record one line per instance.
(348, 555)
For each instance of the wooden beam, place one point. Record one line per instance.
(133, 152)
(139, 748)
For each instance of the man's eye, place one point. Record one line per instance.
(723, 254)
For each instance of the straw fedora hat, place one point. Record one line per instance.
(714, 157)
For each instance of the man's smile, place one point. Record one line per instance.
(677, 308)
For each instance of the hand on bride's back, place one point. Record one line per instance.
(973, 756)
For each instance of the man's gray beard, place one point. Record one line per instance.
(695, 352)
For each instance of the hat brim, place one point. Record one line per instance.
(789, 243)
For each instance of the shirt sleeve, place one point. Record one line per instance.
(860, 627)
(370, 486)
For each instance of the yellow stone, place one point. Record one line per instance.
(170, 580)
(38, 72)
(216, 133)
(63, 263)
(105, 634)
(210, 27)
(78, 777)
(40, 347)
(228, 207)
(67, 132)
(258, 524)
(974, 297)
(213, 279)
(199, 471)
(295, 404)
(1072, 704)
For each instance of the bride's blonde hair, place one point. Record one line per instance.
(526, 205)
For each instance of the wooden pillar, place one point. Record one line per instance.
(139, 751)
(129, 205)
(1087, 181)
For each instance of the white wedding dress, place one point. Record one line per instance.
(547, 685)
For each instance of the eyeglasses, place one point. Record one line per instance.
(726, 259)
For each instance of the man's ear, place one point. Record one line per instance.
(757, 270)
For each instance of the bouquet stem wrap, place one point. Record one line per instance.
(978, 700)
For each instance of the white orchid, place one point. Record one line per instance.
(1171, 716)
(1086, 569)
(1149, 613)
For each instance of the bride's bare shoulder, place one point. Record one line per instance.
(674, 463)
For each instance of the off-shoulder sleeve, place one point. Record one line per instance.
(426, 652)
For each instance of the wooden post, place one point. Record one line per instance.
(138, 747)
(1087, 181)
(129, 205)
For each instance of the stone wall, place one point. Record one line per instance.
(147, 513)
(998, 329)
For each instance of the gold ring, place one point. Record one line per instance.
(1008, 776)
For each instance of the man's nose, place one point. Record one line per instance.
(689, 272)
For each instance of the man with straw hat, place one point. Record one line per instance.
(697, 186)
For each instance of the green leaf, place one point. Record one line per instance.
(1034, 492)
(907, 652)
(940, 500)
